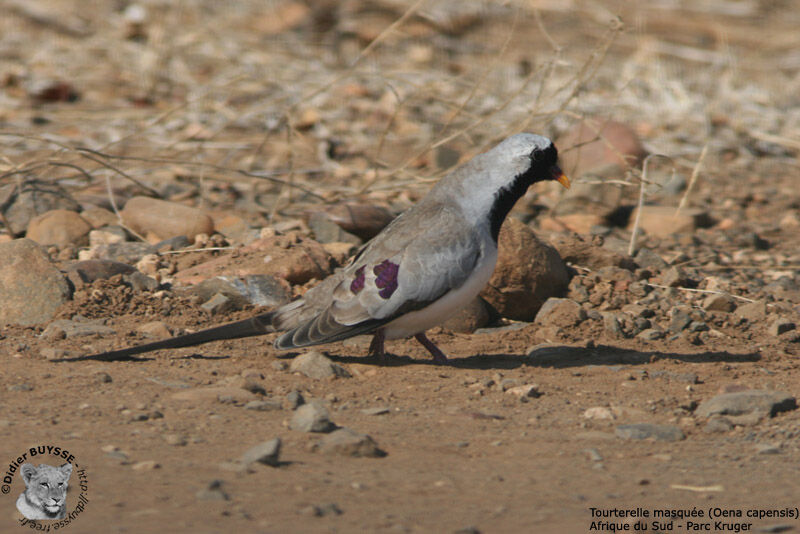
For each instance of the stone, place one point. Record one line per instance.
(72, 328)
(650, 431)
(580, 223)
(719, 302)
(217, 304)
(563, 313)
(60, 228)
(528, 272)
(295, 399)
(647, 259)
(471, 317)
(109, 235)
(140, 282)
(128, 252)
(20, 204)
(316, 365)
(675, 277)
(164, 219)
(576, 250)
(346, 442)
(363, 220)
(612, 324)
(231, 226)
(213, 492)
(99, 217)
(650, 334)
(154, 329)
(662, 221)
(264, 453)
(216, 393)
(311, 417)
(526, 391)
(752, 311)
(327, 231)
(780, 326)
(290, 257)
(761, 402)
(599, 412)
(256, 289)
(679, 319)
(31, 288)
(87, 271)
(263, 405)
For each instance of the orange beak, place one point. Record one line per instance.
(559, 176)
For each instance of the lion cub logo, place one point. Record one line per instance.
(45, 495)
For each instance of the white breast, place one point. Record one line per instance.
(449, 304)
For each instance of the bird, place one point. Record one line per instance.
(423, 267)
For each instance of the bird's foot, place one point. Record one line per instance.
(376, 349)
(438, 356)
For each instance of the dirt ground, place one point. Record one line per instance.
(198, 83)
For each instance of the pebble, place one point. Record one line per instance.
(21, 204)
(722, 303)
(145, 465)
(759, 402)
(650, 334)
(295, 399)
(175, 440)
(364, 220)
(648, 259)
(129, 252)
(99, 217)
(526, 391)
(217, 393)
(72, 328)
(108, 235)
(164, 219)
(679, 320)
(59, 227)
(650, 431)
(31, 288)
(560, 312)
(265, 453)
(528, 272)
(327, 231)
(213, 492)
(316, 365)
(599, 412)
(87, 271)
(470, 318)
(311, 417)
(346, 442)
(217, 304)
(263, 405)
(381, 410)
(780, 326)
(662, 221)
(154, 329)
(321, 510)
(767, 448)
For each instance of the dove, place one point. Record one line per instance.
(422, 268)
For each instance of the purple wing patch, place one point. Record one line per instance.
(358, 283)
(386, 278)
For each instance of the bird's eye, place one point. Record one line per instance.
(44, 484)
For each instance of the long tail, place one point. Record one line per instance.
(254, 326)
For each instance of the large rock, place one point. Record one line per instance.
(587, 253)
(528, 272)
(31, 288)
(21, 204)
(60, 228)
(661, 221)
(164, 219)
(756, 401)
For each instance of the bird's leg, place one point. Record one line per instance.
(376, 346)
(438, 355)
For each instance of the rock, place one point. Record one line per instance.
(577, 251)
(154, 329)
(719, 302)
(322, 510)
(164, 219)
(128, 252)
(31, 288)
(327, 231)
(580, 223)
(263, 405)
(145, 465)
(767, 448)
(295, 399)
(528, 272)
(612, 324)
(755, 401)
(316, 365)
(647, 259)
(178, 242)
(595, 143)
(213, 492)
(471, 317)
(662, 221)
(650, 431)
(679, 319)
(780, 326)
(176, 440)
(87, 271)
(311, 417)
(231, 226)
(526, 391)
(99, 217)
(140, 282)
(752, 311)
(650, 334)
(255, 289)
(363, 220)
(216, 393)
(380, 410)
(264, 453)
(59, 227)
(217, 304)
(675, 277)
(560, 312)
(108, 235)
(599, 412)
(346, 442)
(21, 204)
(72, 328)
(290, 257)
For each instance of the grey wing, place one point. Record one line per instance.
(422, 256)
